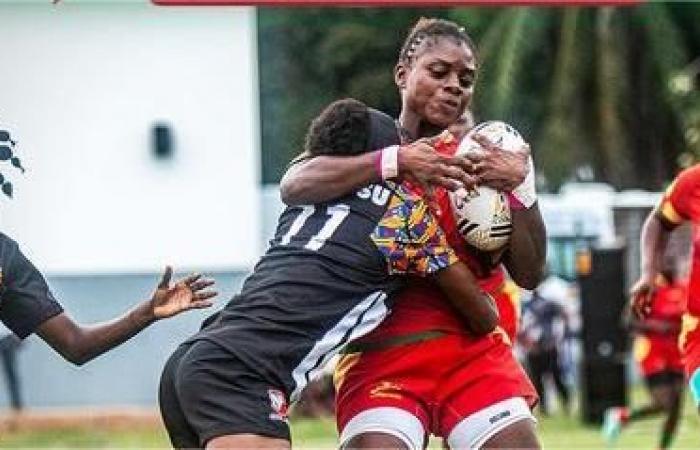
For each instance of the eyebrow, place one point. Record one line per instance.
(471, 69)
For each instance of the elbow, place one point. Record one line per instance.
(76, 353)
(484, 324)
(77, 358)
(288, 191)
(530, 279)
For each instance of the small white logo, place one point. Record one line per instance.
(279, 405)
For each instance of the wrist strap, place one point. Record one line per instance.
(525, 194)
(378, 163)
(390, 162)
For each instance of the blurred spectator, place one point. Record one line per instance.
(544, 330)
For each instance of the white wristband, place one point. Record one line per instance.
(525, 193)
(390, 162)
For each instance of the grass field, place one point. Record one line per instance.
(555, 432)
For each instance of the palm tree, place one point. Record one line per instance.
(606, 87)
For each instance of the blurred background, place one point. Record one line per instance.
(157, 135)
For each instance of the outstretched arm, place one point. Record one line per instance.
(324, 178)
(655, 236)
(81, 343)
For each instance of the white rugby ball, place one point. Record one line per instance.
(482, 214)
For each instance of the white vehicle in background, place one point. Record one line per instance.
(593, 215)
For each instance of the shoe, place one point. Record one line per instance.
(613, 421)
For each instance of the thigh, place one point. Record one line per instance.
(387, 392)
(247, 441)
(220, 396)
(505, 424)
(480, 382)
(520, 434)
(384, 427)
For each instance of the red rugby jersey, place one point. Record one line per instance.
(421, 306)
(681, 203)
(669, 302)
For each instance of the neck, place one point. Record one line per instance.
(413, 127)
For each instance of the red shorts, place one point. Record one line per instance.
(440, 381)
(508, 304)
(689, 342)
(657, 354)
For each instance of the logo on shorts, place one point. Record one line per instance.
(386, 389)
(500, 416)
(279, 405)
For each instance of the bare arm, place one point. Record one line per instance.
(81, 343)
(326, 177)
(477, 308)
(654, 239)
(323, 178)
(527, 250)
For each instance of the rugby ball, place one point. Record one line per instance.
(482, 214)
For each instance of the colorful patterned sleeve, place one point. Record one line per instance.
(679, 201)
(410, 239)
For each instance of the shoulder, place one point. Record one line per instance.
(686, 181)
(8, 249)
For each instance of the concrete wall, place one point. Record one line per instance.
(81, 86)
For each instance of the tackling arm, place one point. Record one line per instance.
(323, 178)
(655, 236)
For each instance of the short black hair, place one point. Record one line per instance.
(349, 127)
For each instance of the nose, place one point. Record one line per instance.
(452, 85)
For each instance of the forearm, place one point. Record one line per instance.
(462, 291)
(653, 244)
(527, 252)
(82, 343)
(327, 177)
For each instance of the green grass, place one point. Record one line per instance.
(556, 433)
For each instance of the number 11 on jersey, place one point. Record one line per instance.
(337, 214)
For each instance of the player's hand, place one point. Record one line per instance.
(420, 164)
(497, 167)
(461, 127)
(640, 297)
(187, 293)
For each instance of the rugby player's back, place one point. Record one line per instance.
(327, 279)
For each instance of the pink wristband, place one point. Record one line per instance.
(514, 203)
(378, 163)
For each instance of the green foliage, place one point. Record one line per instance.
(309, 57)
(555, 432)
(608, 88)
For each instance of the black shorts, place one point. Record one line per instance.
(205, 392)
(663, 378)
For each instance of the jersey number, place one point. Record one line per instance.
(337, 214)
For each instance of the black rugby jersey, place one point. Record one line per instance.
(327, 278)
(25, 299)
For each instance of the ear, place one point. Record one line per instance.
(400, 74)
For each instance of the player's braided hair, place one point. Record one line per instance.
(341, 128)
(427, 31)
(7, 146)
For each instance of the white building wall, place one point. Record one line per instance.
(80, 88)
